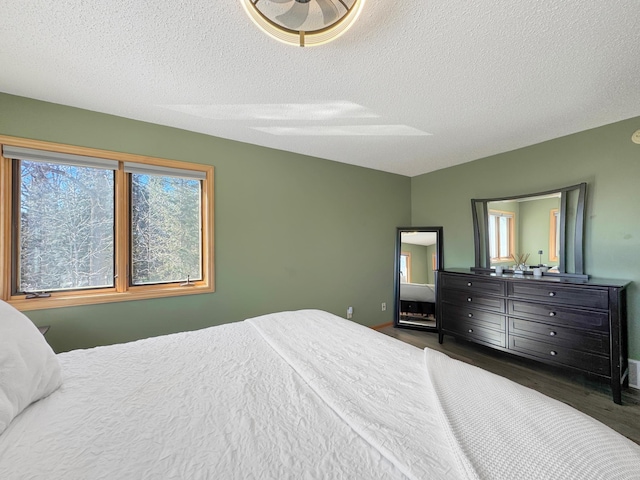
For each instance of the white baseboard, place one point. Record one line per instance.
(634, 374)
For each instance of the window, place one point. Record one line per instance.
(165, 227)
(64, 239)
(405, 267)
(501, 235)
(82, 226)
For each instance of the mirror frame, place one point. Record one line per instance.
(578, 240)
(396, 286)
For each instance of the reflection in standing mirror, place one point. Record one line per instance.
(418, 258)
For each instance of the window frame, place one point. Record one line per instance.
(511, 216)
(408, 262)
(122, 290)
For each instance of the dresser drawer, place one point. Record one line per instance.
(581, 297)
(476, 332)
(456, 314)
(559, 315)
(561, 336)
(474, 299)
(469, 283)
(551, 353)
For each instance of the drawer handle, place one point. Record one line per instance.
(470, 315)
(469, 284)
(471, 330)
(552, 314)
(552, 294)
(553, 353)
(552, 333)
(469, 299)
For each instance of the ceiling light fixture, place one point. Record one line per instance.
(303, 22)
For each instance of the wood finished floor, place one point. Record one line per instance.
(587, 395)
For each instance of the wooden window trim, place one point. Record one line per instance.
(408, 255)
(121, 290)
(512, 236)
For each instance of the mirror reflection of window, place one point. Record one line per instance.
(558, 236)
(405, 267)
(554, 235)
(501, 235)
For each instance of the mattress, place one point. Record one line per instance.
(418, 292)
(300, 394)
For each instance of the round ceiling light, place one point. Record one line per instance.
(303, 22)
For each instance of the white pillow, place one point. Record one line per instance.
(29, 370)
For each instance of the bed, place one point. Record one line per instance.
(417, 298)
(296, 395)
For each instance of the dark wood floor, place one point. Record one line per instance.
(590, 396)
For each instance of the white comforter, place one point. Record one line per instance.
(418, 292)
(294, 395)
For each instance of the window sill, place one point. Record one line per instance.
(63, 299)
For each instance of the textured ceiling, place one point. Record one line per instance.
(413, 87)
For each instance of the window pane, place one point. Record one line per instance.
(500, 228)
(504, 237)
(165, 229)
(493, 244)
(404, 268)
(66, 227)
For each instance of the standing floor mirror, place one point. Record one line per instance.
(418, 258)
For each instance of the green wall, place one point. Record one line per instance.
(535, 227)
(421, 271)
(291, 231)
(431, 275)
(604, 157)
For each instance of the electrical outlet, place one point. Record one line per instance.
(384, 306)
(349, 313)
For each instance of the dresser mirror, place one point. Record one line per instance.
(418, 257)
(540, 230)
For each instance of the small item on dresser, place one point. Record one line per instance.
(499, 270)
(521, 262)
(537, 272)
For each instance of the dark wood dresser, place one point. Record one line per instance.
(567, 322)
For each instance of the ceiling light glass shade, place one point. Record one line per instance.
(303, 22)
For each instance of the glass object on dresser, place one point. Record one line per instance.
(418, 257)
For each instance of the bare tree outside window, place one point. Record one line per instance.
(166, 232)
(81, 226)
(66, 233)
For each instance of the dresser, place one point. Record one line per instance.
(567, 322)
